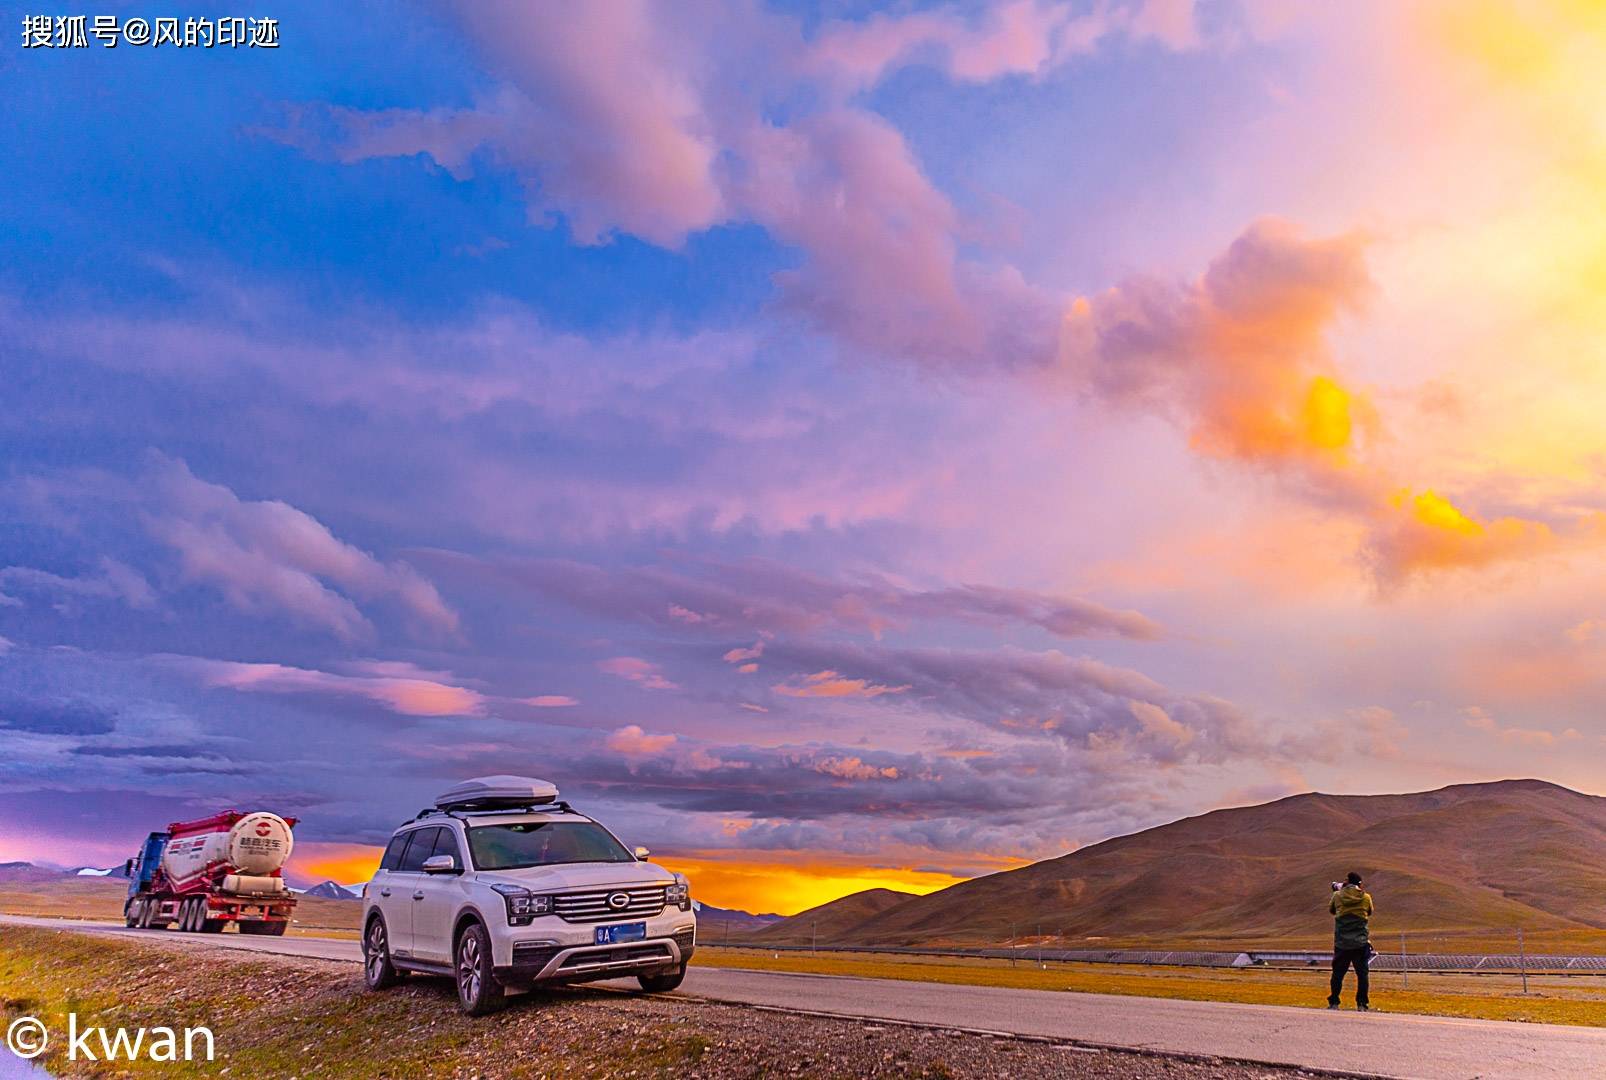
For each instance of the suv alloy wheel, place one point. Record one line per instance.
(478, 992)
(377, 970)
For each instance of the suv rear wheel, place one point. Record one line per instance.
(478, 992)
(662, 983)
(377, 970)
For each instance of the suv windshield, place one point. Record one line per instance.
(543, 843)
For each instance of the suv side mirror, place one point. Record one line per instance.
(440, 864)
(642, 854)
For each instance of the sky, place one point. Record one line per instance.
(841, 445)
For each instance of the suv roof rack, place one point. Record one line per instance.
(497, 807)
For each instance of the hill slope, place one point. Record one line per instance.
(24, 871)
(1462, 858)
(832, 921)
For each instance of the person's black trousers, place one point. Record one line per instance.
(1342, 959)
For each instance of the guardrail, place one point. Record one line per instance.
(1474, 963)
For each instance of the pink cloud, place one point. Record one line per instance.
(636, 670)
(686, 615)
(737, 655)
(632, 740)
(621, 137)
(550, 701)
(1479, 719)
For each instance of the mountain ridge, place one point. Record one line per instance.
(1501, 854)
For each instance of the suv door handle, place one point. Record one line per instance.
(384, 892)
(418, 895)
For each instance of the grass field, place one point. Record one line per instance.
(1551, 1000)
(291, 1017)
(102, 898)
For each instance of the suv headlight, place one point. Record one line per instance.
(522, 904)
(679, 894)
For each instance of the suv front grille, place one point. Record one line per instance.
(642, 901)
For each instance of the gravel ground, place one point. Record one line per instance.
(736, 1043)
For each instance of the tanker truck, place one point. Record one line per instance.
(202, 875)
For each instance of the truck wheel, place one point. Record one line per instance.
(378, 972)
(478, 992)
(186, 915)
(147, 912)
(131, 914)
(662, 984)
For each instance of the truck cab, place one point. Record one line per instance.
(141, 869)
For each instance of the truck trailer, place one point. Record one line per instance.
(199, 876)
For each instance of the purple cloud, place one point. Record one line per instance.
(764, 596)
(261, 555)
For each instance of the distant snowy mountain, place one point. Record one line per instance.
(90, 871)
(328, 890)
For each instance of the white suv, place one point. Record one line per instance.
(501, 886)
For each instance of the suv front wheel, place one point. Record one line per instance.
(478, 992)
(662, 983)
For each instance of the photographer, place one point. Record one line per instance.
(1351, 908)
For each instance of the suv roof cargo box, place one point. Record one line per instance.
(489, 792)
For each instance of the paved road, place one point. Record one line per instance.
(1420, 1047)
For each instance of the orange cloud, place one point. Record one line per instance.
(828, 684)
(852, 768)
(1426, 531)
(1239, 356)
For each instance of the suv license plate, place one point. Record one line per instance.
(614, 935)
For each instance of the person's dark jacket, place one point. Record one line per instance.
(1351, 907)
